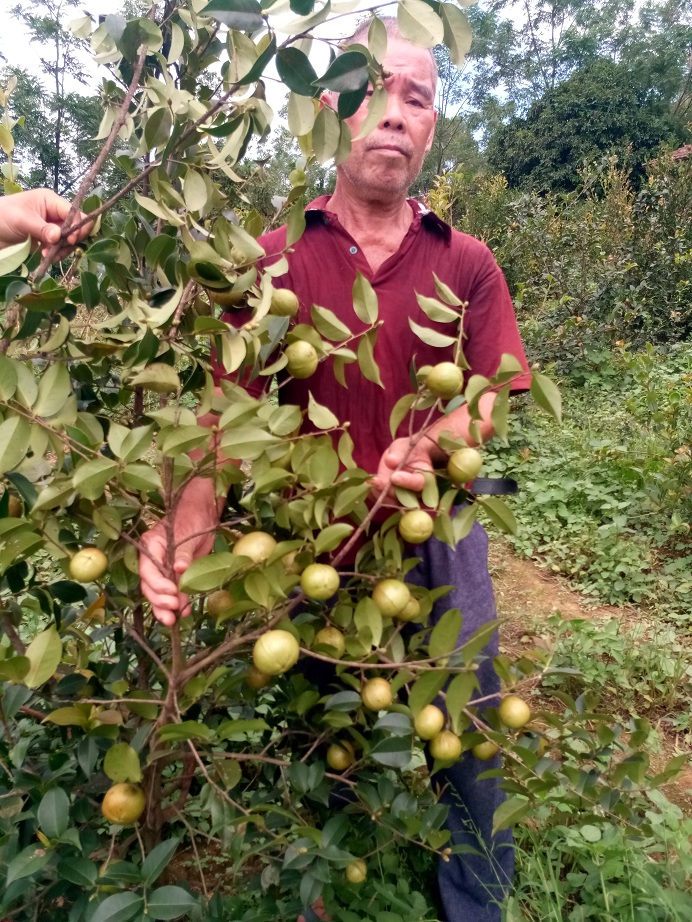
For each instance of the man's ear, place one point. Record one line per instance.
(432, 132)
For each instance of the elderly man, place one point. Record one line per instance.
(369, 226)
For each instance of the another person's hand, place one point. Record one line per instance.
(195, 527)
(39, 214)
(412, 474)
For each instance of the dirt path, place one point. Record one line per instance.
(528, 595)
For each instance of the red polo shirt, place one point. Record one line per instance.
(322, 270)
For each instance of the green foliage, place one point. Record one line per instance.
(602, 108)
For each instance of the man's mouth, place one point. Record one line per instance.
(389, 148)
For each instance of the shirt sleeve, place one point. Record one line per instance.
(490, 323)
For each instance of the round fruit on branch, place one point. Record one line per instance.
(446, 746)
(356, 871)
(88, 565)
(302, 359)
(257, 545)
(464, 465)
(391, 597)
(124, 804)
(416, 526)
(319, 581)
(377, 694)
(275, 652)
(514, 712)
(428, 722)
(341, 756)
(445, 380)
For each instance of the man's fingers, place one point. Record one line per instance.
(409, 480)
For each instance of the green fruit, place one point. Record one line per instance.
(376, 694)
(275, 652)
(319, 581)
(302, 359)
(485, 750)
(257, 545)
(428, 722)
(416, 526)
(255, 678)
(123, 804)
(514, 712)
(411, 612)
(88, 565)
(219, 602)
(464, 465)
(331, 637)
(356, 871)
(446, 746)
(340, 756)
(284, 303)
(445, 380)
(391, 597)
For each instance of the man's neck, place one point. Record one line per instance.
(378, 226)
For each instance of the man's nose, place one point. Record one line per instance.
(393, 118)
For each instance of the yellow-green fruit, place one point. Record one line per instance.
(284, 303)
(340, 756)
(416, 526)
(302, 359)
(255, 678)
(446, 746)
(485, 750)
(227, 297)
(445, 380)
(219, 602)
(123, 804)
(411, 612)
(514, 712)
(356, 871)
(391, 597)
(376, 694)
(331, 637)
(257, 545)
(428, 722)
(275, 652)
(464, 465)
(319, 581)
(88, 564)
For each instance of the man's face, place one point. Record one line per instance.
(387, 161)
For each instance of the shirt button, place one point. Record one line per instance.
(353, 251)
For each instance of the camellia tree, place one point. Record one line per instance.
(123, 741)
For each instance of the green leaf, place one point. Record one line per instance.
(170, 903)
(157, 861)
(458, 695)
(446, 293)
(207, 573)
(15, 434)
(296, 71)
(399, 412)
(295, 223)
(348, 498)
(509, 813)
(231, 728)
(546, 394)
(122, 763)
(139, 32)
(8, 378)
(394, 751)
(195, 191)
(243, 15)
(14, 669)
(431, 337)
(364, 300)
(121, 907)
(457, 32)
(499, 513)
(11, 258)
(325, 135)
(301, 114)
(331, 537)
(27, 863)
(478, 640)
(44, 653)
(366, 358)
(320, 416)
(187, 730)
(347, 73)
(426, 688)
(78, 871)
(160, 378)
(328, 324)
(53, 390)
(377, 106)
(91, 477)
(77, 716)
(53, 813)
(445, 635)
(418, 23)
(368, 622)
(437, 311)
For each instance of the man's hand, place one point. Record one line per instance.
(195, 524)
(38, 214)
(412, 475)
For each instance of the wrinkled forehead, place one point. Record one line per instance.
(413, 64)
